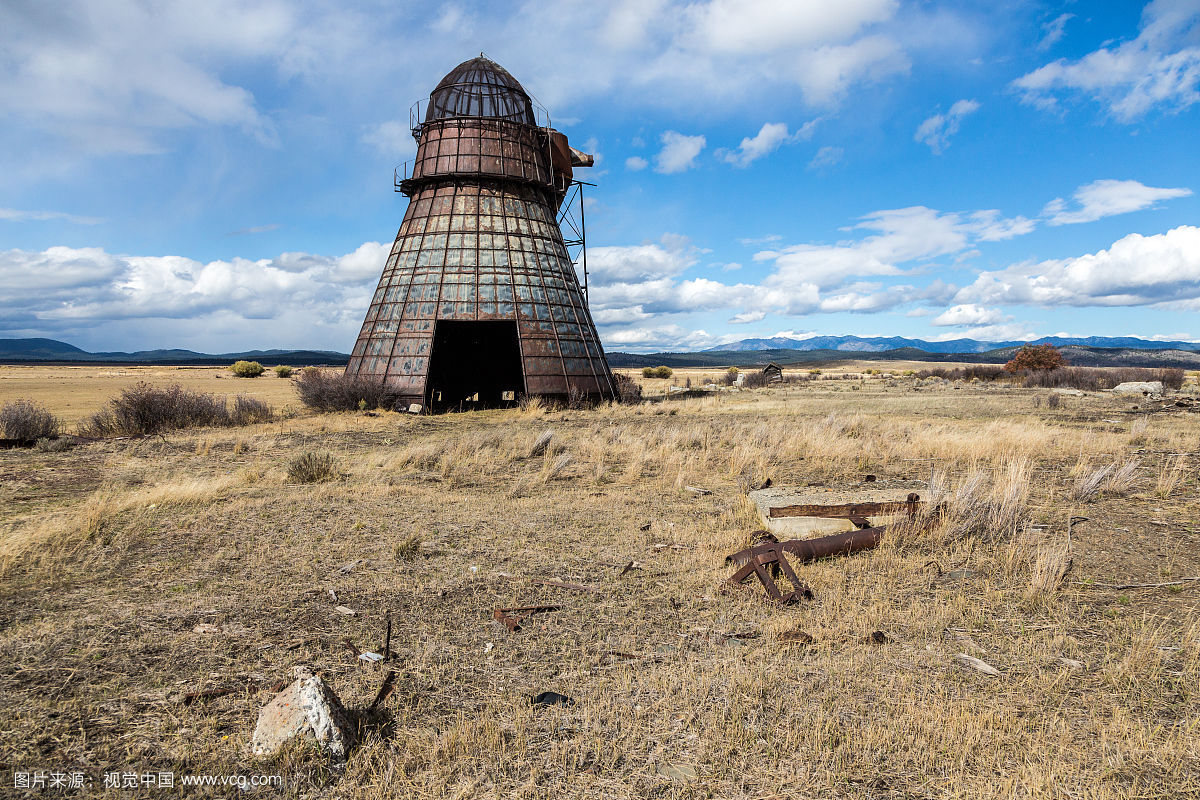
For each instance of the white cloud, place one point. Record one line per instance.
(1160, 68)
(1053, 30)
(636, 163)
(392, 138)
(1136, 270)
(1104, 198)
(969, 314)
(938, 129)
(768, 139)
(828, 156)
(1013, 331)
(16, 215)
(111, 75)
(678, 152)
(286, 298)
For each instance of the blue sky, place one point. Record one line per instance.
(217, 176)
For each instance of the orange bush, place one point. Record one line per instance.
(1035, 357)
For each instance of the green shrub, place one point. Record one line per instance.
(247, 369)
(657, 372)
(283, 371)
(313, 467)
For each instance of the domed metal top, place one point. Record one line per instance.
(480, 88)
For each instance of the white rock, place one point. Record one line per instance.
(1069, 392)
(1139, 387)
(309, 709)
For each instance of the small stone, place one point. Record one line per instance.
(307, 708)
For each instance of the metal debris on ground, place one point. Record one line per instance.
(768, 558)
(698, 490)
(550, 699)
(512, 617)
(349, 612)
(370, 657)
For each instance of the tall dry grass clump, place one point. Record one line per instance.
(27, 421)
(987, 504)
(313, 467)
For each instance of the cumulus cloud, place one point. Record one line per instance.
(938, 129)
(969, 314)
(1160, 68)
(1104, 198)
(63, 289)
(770, 137)
(678, 152)
(636, 163)
(1136, 270)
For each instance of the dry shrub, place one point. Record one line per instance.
(1098, 379)
(249, 410)
(26, 421)
(629, 391)
(337, 391)
(143, 409)
(313, 467)
(283, 371)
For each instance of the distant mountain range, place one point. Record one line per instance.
(1084, 351)
(879, 344)
(52, 350)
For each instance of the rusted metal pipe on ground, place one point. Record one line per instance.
(811, 549)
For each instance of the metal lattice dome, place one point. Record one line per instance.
(480, 88)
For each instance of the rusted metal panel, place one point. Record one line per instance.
(850, 510)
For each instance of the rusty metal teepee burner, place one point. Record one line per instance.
(479, 302)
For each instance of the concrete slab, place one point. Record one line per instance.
(811, 527)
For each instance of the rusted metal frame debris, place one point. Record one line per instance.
(768, 559)
(850, 510)
(513, 617)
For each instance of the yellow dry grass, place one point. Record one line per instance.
(116, 551)
(75, 392)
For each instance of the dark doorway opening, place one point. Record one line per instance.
(474, 365)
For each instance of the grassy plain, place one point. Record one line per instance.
(113, 553)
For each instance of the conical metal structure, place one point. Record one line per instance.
(479, 303)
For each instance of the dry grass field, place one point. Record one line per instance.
(135, 571)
